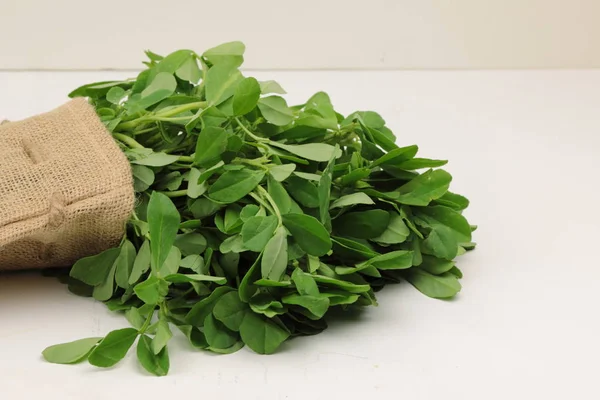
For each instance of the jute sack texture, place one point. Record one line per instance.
(66, 189)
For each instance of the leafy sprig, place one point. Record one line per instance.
(255, 218)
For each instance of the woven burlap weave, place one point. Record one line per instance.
(66, 188)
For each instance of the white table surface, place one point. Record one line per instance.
(522, 145)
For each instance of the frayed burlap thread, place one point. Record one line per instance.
(66, 189)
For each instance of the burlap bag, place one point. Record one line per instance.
(66, 188)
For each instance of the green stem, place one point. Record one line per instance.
(257, 162)
(262, 202)
(186, 159)
(131, 142)
(168, 119)
(165, 114)
(142, 131)
(182, 108)
(177, 193)
(252, 135)
(147, 323)
(267, 196)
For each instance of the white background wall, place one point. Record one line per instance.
(305, 34)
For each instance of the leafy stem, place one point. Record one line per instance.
(262, 202)
(252, 135)
(146, 323)
(176, 193)
(169, 112)
(267, 196)
(129, 141)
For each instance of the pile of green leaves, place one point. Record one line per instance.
(254, 218)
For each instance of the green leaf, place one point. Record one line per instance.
(311, 151)
(396, 156)
(441, 286)
(344, 285)
(279, 195)
(162, 86)
(217, 335)
(221, 82)
(275, 257)
(400, 259)
(233, 185)
(163, 220)
(237, 346)
(339, 298)
(247, 289)
(211, 144)
(317, 306)
(170, 181)
(135, 318)
(113, 348)
(172, 62)
(271, 283)
(453, 200)
(194, 336)
(305, 284)
(70, 353)
(246, 96)
(369, 118)
(124, 263)
(436, 266)
(303, 191)
(355, 176)
(115, 95)
(418, 163)
(232, 222)
(268, 87)
(230, 310)
(324, 190)
(187, 278)
(262, 335)
(232, 244)
(309, 233)
(231, 53)
(98, 89)
(204, 307)
(189, 70)
(396, 231)
(190, 243)
(105, 290)
(363, 268)
(157, 159)
(141, 263)
(162, 337)
(265, 304)
(313, 264)
(456, 272)
(448, 229)
(362, 224)
(275, 110)
(152, 290)
(318, 113)
(94, 270)
(281, 172)
(351, 200)
(424, 188)
(257, 231)
(203, 207)
(195, 189)
(143, 177)
(171, 264)
(249, 211)
(157, 364)
(195, 262)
